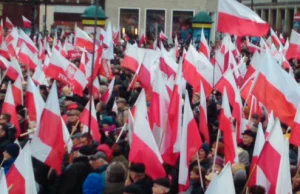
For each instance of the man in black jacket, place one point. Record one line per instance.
(139, 178)
(75, 174)
(4, 140)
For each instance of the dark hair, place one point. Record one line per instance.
(257, 189)
(4, 128)
(116, 172)
(87, 135)
(6, 116)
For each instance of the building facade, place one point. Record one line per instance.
(278, 13)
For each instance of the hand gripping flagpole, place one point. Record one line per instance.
(93, 65)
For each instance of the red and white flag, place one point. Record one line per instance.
(17, 90)
(9, 107)
(225, 118)
(203, 125)
(275, 38)
(190, 142)
(143, 147)
(39, 77)
(106, 96)
(143, 39)
(96, 88)
(162, 36)
(26, 22)
(48, 146)
(295, 133)
(85, 117)
(133, 57)
(83, 40)
(167, 64)
(4, 63)
(293, 51)
(24, 38)
(8, 24)
(237, 19)
(281, 38)
(63, 70)
(34, 102)
(204, 48)
(26, 57)
(272, 151)
(276, 90)
(20, 176)
(4, 50)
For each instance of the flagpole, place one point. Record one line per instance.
(216, 151)
(200, 172)
(93, 64)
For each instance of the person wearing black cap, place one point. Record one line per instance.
(4, 140)
(138, 177)
(248, 142)
(75, 174)
(161, 186)
(132, 189)
(9, 156)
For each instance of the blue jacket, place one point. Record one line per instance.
(7, 165)
(95, 182)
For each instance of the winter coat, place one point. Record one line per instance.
(122, 116)
(114, 188)
(95, 182)
(145, 184)
(74, 176)
(195, 188)
(4, 141)
(122, 159)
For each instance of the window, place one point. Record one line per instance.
(155, 23)
(181, 24)
(129, 21)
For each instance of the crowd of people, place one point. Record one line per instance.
(102, 167)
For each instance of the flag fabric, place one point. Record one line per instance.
(24, 38)
(9, 107)
(20, 176)
(237, 19)
(162, 36)
(204, 46)
(143, 147)
(34, 102)
(14, 70)
(225, 118)
(39, 77)
(295, 133)
(167, 64)
(106, 96)
(293, 51)
(203, 124)
(84, 119)
(3, 183)
(273, 81)
(26, 22)
(83, 40)
(275, 38)
(133, 57)
(26, 57)
(190, 142)
(17, 91)
(8, 24)
(48, 146)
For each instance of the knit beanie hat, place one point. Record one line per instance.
(13, 150)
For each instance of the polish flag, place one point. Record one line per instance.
(222, 183)
(276, 90)
(175, 111)
(106, 96)
(237, 19)
(4, 50)
(253, 66)
(83, 63)
(34, 102)
(1, 32)
(295, 134)
(133, 57)
(259, 144)
(24, 38)
(41, 52)
(203, 125)
(96, 88)
(48, 146)
(225, 118)
(204, 48)
(9, 107)
(26, 22)
(286, 47)
(154, 45)
(83, 40)
(167, 64)
(190, 142)
(143, 147)
(146, 72)
(12, 35)
(8, 24)
(281, 38)
(294, 47)
(20, 176)
(84, 119)
(271, 122)
(17, 90)
(4, 63)
(26, 57)
(3, 183)
(14, 70)
(275, 38)
(39, 77)
(162, 36)
(272, 151)
(63, 70)
(197, 67)
(143, 39)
